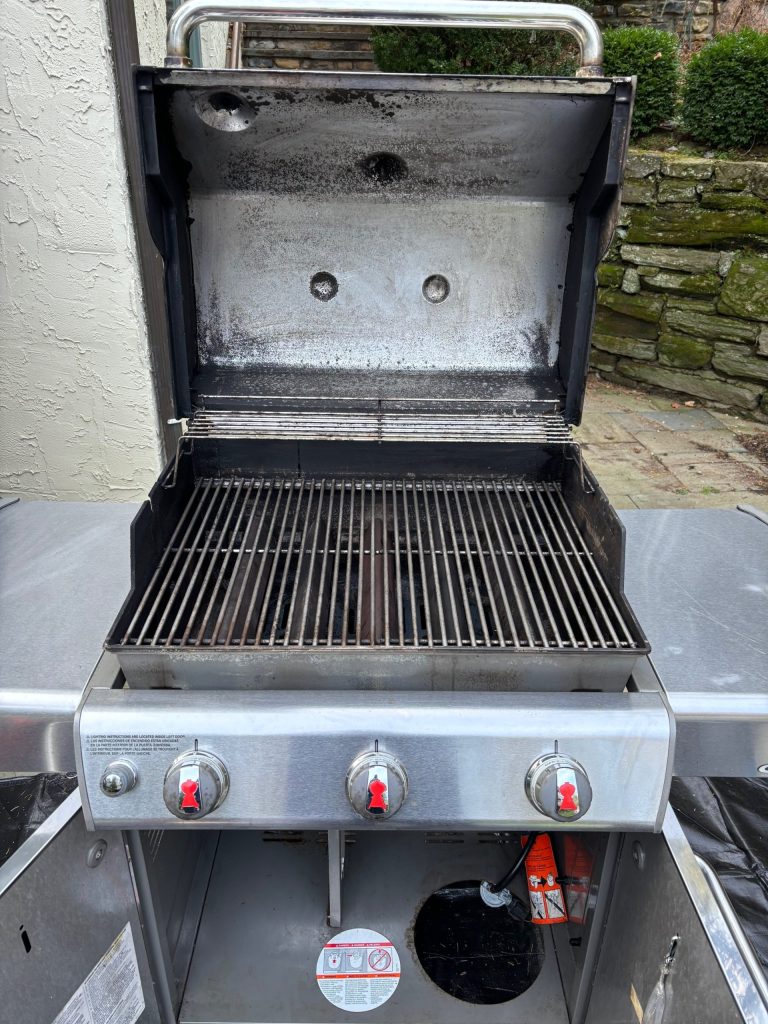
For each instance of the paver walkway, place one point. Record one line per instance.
(653, 451)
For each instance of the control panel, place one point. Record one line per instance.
(359, 760)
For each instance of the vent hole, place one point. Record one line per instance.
(25, 940)
(384, 168)
(323, 286)
(436, 288)
(225, 102)
(224, 111)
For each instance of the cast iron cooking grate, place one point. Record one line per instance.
(340, 563)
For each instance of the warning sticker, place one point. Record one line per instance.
(544, 891)
(579, 867)
(358, 970)
(111, 994)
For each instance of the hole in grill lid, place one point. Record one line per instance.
(323, 286)
(224, 111)
(384, 168)
(224, 101)
(436, 288)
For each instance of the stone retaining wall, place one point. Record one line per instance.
(683, 297)
(690, 20)
(313, 48)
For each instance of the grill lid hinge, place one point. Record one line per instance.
(574, 452)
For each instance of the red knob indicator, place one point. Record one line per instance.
(378, 802)
(567, 793)
(190, 793)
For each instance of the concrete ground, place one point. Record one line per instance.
(658, 451)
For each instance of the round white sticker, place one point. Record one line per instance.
(358, 970)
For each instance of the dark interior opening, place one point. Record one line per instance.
(476, 953)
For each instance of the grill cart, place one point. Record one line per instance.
(377, 729)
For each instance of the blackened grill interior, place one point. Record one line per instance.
(288, 562)
(379, 491)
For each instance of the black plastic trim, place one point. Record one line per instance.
(594, 217)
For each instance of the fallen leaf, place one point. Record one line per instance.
(690, 404)
(675, 405)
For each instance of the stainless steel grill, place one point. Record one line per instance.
(332, 563)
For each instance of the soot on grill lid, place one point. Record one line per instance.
(355, 242)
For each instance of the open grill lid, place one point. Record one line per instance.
(351, 244)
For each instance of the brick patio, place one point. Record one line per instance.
(655, 451)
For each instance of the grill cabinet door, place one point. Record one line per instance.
(66, 897)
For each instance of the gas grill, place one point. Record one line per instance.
(377, 590)
(380, 293)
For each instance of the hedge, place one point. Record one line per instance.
(476, 51)
(652, 55)
(725, 96)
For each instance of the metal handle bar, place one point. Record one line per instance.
(734, 925)
(428, 13)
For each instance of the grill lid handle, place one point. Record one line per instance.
(450, 14)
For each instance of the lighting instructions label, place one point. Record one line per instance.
(358, 970)
(111, 994)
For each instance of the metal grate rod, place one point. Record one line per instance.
(515, 588)
(256, 592)
(407, 564)
(324, 564)
(595, 573)
(238, 485)
(188, 519)
(249, 497)
(411, 574)
(192, 565)
(243, 589)
(447, 568)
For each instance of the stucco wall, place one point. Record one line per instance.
(213, 44)
(76, 401)
(150, 28)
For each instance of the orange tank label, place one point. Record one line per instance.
(544, 891)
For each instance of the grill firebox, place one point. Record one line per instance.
(374, 563)
(278, 579)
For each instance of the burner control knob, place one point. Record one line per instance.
(558, 787)
(376, 785)
(119, 777)
(195, 784)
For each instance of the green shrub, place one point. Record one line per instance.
(652, 55)
(476, 51)
(725, 96)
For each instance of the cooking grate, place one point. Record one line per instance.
(379, 426)
(333, 564)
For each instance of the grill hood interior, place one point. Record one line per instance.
(309, 221)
